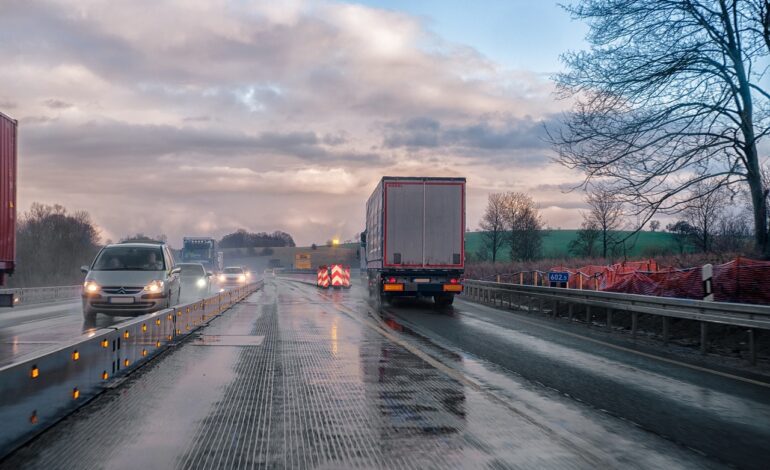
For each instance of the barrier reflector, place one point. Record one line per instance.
(346, 280)
(323, 277)
(338, 276)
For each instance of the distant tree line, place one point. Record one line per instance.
(243, 239)
(51, 245)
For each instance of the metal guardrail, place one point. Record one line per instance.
(40, 389)
(36, 295)
(549, 300)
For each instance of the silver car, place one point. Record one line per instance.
(233, 276)
(196, 282)
(130, 279)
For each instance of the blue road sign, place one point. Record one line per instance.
(558, 277)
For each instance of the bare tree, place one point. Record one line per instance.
(670, 94)
(703, 214)
(52, 244)
(732, 234)
(585, 242)
(606, 212)
(654, 225)
(525, 226)
(683, 234)
(493, 226)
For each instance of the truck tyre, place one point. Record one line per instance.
(443, 300)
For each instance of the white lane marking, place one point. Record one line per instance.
(629, 350)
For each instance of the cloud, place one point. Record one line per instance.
(255, 113)
(513, 133)
(57, 104)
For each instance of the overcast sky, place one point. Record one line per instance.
(197, 117)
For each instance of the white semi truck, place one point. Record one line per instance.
(415, 238)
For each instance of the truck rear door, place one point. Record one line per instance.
(424, 224)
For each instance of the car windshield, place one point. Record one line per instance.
(130, 258)
(192, 270)
(233, 271)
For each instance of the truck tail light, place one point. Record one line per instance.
(454, 281)
(392, 280)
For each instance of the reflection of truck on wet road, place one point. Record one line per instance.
(8, 146)
(202, 250)
(415, 230)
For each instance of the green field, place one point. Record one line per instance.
(556, 243)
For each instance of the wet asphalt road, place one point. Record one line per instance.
(33, 328)
(725, 417)
(295, 377)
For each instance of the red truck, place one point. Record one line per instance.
(8, 162)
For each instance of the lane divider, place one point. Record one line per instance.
(43, 388)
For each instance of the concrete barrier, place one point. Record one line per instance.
(42, 388)
(37, 295)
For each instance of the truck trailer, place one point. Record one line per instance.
(415, 238)
(8, 164)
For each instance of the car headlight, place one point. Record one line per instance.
(91, 287)
(242, 278)
(154, 286)
(201, 283)
(222, 278)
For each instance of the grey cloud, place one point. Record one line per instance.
(57, 104)
(196, 119)
(430, 133)
(245, 92)
(415, 132)
(112, 139)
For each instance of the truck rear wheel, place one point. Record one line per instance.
(443, 300)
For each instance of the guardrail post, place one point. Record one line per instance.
(609, 319)
(665, 331)
(588, 314)
(570, 311)
(703, 337)
(541, 310)
(752, 348)
(555, 312)
(634, 323)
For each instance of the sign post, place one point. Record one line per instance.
(558, 279)
(707, 273)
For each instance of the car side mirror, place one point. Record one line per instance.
(84, 269)
(209, 274)
(176, 270)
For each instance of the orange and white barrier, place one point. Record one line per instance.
(323, 277)
(346, 271)
(337, 275)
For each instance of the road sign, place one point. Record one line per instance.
(560, 277)
(302, 261)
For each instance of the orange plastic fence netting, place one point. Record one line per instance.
(741, 280)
